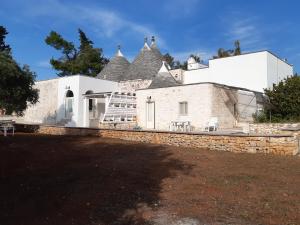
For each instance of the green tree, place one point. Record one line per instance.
(222, 53)
(4, 47)
(169, 59)
(16, 83)
(237, 50)
(85, 60)
(197, 58)
(284, 101)
(176, 64)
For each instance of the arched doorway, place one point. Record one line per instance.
(69, 101)
(91, 101)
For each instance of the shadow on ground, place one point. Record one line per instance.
(81, 180)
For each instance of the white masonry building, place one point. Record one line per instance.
(149, 95)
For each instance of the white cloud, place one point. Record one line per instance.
(183, 55)
(104, 22)
(44, 64)
(179, 8)
(247, 31)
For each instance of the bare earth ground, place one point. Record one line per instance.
(94, 181)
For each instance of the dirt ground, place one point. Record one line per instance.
(93, 181)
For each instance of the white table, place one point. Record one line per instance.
(180, 126)
(6, 127)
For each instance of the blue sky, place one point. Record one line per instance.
(181, 27)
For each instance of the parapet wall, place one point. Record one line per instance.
(275, 128)
(274, 144)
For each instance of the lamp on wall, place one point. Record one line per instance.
(148, 98)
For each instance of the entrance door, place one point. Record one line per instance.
(150, 115)
(69, 108)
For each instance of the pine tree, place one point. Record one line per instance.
(85, 60)
(4, 47)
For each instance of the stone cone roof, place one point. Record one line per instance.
(146, 65)
(163, 78)
(116, 69)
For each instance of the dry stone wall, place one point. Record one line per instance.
(275, 128)
(273, 144)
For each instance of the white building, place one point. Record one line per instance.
(146, 93)
(255, 71)
(62, 101)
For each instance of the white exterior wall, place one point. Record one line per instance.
(199, 98)
(79, 85)
(52, 94)
(277, 70)
(254, 71)
(205, 101)
(95, 85)
(45, 110)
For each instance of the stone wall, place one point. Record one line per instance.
(274, 144)
(275, 128)
(45, 110)
(166, 100)
(133, 85)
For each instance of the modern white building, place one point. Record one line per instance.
(62, 101)
(255, 71)
(147, 94)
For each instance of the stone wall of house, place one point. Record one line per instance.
(223, 106)
(166, 100)
(45, 110)
(132, 85)
(274, 144)
(275, 128)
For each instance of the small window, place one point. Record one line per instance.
(183, 108)
(90, 104)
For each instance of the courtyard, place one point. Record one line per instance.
(96, 181)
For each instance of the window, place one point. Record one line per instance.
(183, 108)
(90, 104)
(69, 104)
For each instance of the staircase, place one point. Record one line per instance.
(120, 108)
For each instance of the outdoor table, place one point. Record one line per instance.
(180, 126)
(6, 126)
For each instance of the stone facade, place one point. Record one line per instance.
(132, 85)
(205, 100)
(166, 100)
(273, 144)
(275, 128)
(45, 110)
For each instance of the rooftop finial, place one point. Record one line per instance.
(153, 44)
(152, 39)
(119, 53)
(146, 46)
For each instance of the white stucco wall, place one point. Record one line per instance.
(229, 105)
(277, 70)
(79, 85)
(45, 110)
(254, 71)
(199, 98)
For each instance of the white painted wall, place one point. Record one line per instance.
(205, 101)
(199, 98)
(79, 85)
(45, 110)
(95, 85)
(277, 70)
(254, 71)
